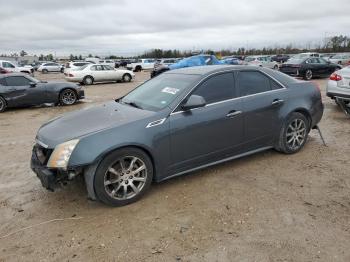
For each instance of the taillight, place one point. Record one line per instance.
(335, 77)
(70, 75)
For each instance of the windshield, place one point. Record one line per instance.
(32, 79)
(160, 91)
(295, 61)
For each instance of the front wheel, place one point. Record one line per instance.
(126, 78)
(293, 134)
(3, 104)
(123, 177)
(68, 97)
(275, 67)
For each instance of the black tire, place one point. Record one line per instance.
(45, 71)
(88, 80)
(3, 104)
(138, 68)
(285, 143)
(127, 77)
(275, 67)
(68, 97)
(110, 186)
(62, 70)
(308, 74)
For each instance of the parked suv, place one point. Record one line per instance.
(50, 67)
(141, 64)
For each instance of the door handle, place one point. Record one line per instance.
(233, 113)
(277, 102)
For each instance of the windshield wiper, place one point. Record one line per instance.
(133, 104)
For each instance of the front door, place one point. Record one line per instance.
(207, 134)
(22, 93)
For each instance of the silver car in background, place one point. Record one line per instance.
(50, 67)
(91, 73)
(262, 61)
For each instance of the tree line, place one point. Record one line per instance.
(334, 44)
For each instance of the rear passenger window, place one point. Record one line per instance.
(275, 85)
(217, 88)
(252, 82)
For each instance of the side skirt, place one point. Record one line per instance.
(218, 162)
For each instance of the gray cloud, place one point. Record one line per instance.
(129, 27)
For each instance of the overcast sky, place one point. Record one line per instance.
(127, 27)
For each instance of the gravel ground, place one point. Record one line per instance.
(265, 207)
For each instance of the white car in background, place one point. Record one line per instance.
(339, 84)
(74, 65)
(141, 64)
(107, 62)
(263, 61)
(92, 73)
(341, 59)
(12, 68)
(50, 67)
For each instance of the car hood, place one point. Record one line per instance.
(88, 121)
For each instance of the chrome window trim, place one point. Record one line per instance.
(231, 99)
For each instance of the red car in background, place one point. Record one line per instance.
(3, 71)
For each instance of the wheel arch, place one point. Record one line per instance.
(90, 170)
(304, 112)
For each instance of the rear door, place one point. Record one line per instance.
(203, 135)
(262, 99)
(98, 73)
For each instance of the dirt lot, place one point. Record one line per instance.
(266, 207)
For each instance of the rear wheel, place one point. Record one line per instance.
(308, 75)
(123, 177)
(68, 97)
(45, 71)
(88, 80)
(275, 67)
(126, 78)
(3, 104)
(138, 68)
(293, 134)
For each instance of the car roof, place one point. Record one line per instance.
(12, 74)
(206, 70)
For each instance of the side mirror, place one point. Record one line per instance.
(32, 84)
(193, 101)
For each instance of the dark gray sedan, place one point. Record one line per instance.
(18, 90)
(180, 121)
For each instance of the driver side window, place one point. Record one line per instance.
(17, 81)
(217, 88)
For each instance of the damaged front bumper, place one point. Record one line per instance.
(49, 178)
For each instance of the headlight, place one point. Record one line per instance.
(60, 156)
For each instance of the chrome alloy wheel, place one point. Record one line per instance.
(69, 97)
(125, 178)
(296, 134)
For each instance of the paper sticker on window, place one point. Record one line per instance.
(170, 90)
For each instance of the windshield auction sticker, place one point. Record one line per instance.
(170, 90)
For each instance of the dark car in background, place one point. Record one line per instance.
(280, 58)
(309, 68)
(180, 121)
(18, 90)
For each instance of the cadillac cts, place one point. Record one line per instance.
(178, 122)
